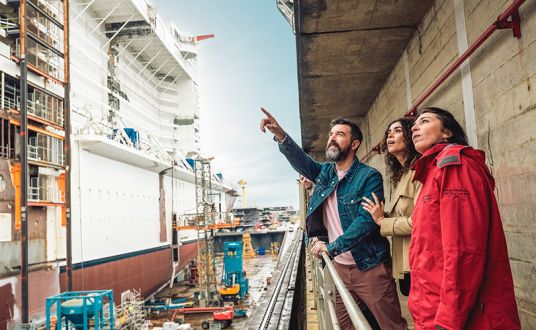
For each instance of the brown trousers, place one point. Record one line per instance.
(374, 287)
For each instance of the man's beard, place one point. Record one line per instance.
(335, 153)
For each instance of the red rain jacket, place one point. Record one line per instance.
(460, 272)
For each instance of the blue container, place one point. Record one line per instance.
(261, 251)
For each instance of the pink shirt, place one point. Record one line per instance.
(332, 222)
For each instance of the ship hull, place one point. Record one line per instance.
(145, 271)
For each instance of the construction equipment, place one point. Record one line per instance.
(235, 285)
(225, 318)
(220, 319)
(247, 247)
(77, 309)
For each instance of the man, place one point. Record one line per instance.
(361, 255)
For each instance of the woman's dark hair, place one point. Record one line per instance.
(449, 122)
(395, 170)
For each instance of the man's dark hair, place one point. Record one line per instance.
(356, 132)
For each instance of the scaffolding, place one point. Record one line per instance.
(204, 222)
(35, 120)
(130, 314)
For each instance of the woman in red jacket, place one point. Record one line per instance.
(460, 272)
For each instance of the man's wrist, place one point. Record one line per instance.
(331, 249)
(280, 140)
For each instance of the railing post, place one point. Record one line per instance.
(314, 275)
(319, 293)
(330, 301)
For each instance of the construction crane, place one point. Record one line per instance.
(242, 183)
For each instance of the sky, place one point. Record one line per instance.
(250, 63)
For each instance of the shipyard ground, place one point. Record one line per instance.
(264, 273)
(259, 271)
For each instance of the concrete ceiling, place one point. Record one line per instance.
(346, 51)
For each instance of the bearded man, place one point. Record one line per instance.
(361, 255)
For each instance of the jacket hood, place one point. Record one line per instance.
(443, 154)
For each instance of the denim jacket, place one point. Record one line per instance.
(361, 235)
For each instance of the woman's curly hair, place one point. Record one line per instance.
(395, 170)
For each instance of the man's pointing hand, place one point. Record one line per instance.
(271, 124)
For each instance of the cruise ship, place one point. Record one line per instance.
(112, 109)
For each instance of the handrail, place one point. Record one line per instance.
(501, 22)
(326, 282)
(358, 319)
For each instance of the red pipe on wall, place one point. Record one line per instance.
(502, 22)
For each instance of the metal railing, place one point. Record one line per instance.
(46, 194)
(325, 281)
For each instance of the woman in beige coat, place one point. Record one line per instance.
(395, 219)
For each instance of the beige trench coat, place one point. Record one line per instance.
(397, 222)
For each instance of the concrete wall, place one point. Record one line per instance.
(495, 100)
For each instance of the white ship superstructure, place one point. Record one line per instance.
(134, 116)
